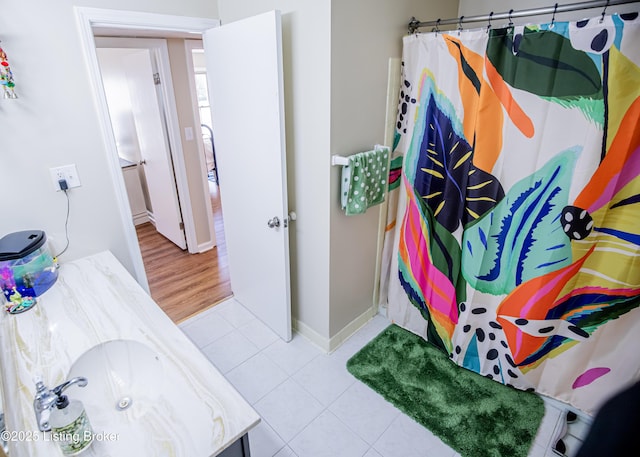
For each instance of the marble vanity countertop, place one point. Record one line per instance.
(93, 301)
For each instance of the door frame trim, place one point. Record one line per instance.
(87, 19)
(189, 45)
(159, 53)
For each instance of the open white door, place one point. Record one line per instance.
(244, 69)
(154, 147)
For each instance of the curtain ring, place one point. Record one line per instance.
(604, 11)
(489, 24)
(438, 26)
(553, 18)
(510, 20)
(460, 25)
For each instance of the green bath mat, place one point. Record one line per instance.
(474, 415)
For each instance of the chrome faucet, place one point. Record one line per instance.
(45, 399)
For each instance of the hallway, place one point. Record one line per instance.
(184, 284)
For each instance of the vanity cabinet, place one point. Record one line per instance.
(186, 409)
(238, 449)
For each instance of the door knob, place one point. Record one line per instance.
(142, 162)
(273, 223)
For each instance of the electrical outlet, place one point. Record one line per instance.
(67, 172)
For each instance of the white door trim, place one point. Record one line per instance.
(189, 46)
(87, 18)
(159, 51)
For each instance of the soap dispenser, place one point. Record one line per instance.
(70, 426)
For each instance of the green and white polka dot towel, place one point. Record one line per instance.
(364, 180)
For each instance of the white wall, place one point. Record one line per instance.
(306, 58)
(364, 35)
(482, 7)
(54, 122)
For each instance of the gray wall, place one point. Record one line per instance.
(364, 35)
(481, 7)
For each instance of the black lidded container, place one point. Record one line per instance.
(27, 269)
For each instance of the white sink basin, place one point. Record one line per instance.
(125, 386)
(123, 375)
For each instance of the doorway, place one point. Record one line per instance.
(250, 144)
(182, 283)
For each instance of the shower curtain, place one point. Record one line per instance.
(515, 247)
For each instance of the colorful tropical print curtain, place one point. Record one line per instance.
(515, 246)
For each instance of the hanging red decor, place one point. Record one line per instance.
(6, 77)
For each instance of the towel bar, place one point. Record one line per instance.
(339, 160)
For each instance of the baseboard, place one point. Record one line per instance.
(351, 328)
(329, 345)
(310, 334)
(140, 218)
(204, 247)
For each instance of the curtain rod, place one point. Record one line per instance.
(414, 24)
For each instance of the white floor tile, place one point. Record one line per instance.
(288, 409)
(236, 314)
(293, 355)
(359, 339)
(325, 378)
(264, 441)
(231, 301)
(291, 384)
(326, 436)
(537, 451)
(258, 333)
(286, 452)
(256, 377)
(407, 438)
(229, 351)
(372, 453)
(549, 425)
(191, 320)
(364, 411)
(372, 328)
(211, 310)
(207, 329)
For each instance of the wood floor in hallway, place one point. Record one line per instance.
(185, 284)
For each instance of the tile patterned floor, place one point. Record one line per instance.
(310, 404)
